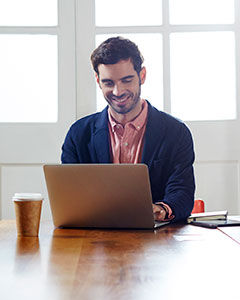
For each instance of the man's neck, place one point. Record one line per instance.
(128, 117)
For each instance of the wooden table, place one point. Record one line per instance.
(232, 232)
(174, 262)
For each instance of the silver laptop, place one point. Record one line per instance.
(100, 196)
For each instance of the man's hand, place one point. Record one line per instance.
(159, 212)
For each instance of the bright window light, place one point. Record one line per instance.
(128, 12)
(201, 11)
(28, 12)
(28, 76)
(203, 79)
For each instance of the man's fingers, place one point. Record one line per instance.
(159, 212)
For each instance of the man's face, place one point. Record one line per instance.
(121, 85)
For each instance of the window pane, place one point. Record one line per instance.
(28, 76)
(150, 46)
(28, 12)
(201, 11)
(203, 76)
(128, 13)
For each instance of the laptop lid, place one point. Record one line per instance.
(100, 195)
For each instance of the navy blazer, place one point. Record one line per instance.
(168, 152)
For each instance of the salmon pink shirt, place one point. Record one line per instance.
(127, 141)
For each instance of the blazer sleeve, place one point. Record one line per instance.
(180, 184)
(69, 149)
(87, 140)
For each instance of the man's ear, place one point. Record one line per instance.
(97, 77)
(142, 75)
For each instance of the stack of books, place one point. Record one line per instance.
(208, 216)
(213, 219)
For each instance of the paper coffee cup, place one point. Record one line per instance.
(28, 212)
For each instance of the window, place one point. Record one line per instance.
(189, 47)
(28, 13)
(128, 13)
(29, 61)
(203, 75)
(201, 12)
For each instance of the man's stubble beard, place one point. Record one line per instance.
(136, 99)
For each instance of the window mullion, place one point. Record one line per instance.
(129, 29)
(85, 39)
(237, 51)
(29, 30)
(166, 58)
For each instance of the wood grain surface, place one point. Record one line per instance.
(174, 262)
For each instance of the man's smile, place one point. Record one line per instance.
(121, 99)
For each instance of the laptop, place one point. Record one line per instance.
(100, 196)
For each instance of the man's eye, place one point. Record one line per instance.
(127, 81)
(108, 83)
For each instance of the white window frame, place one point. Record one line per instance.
(86, 31)
(65, 32)
(47, 133)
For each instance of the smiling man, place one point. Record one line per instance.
(121, 87)
(130, 130)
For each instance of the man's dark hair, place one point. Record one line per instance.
(115, 49)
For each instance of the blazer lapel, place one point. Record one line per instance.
(101, 138)
(155, 131)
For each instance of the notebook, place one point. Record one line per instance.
(100, 196)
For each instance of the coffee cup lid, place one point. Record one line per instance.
(27, 196)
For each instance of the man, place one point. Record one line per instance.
(130, 130)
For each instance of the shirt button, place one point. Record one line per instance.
(138, 127)
(126, 144)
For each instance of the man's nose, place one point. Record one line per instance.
(117, 90)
